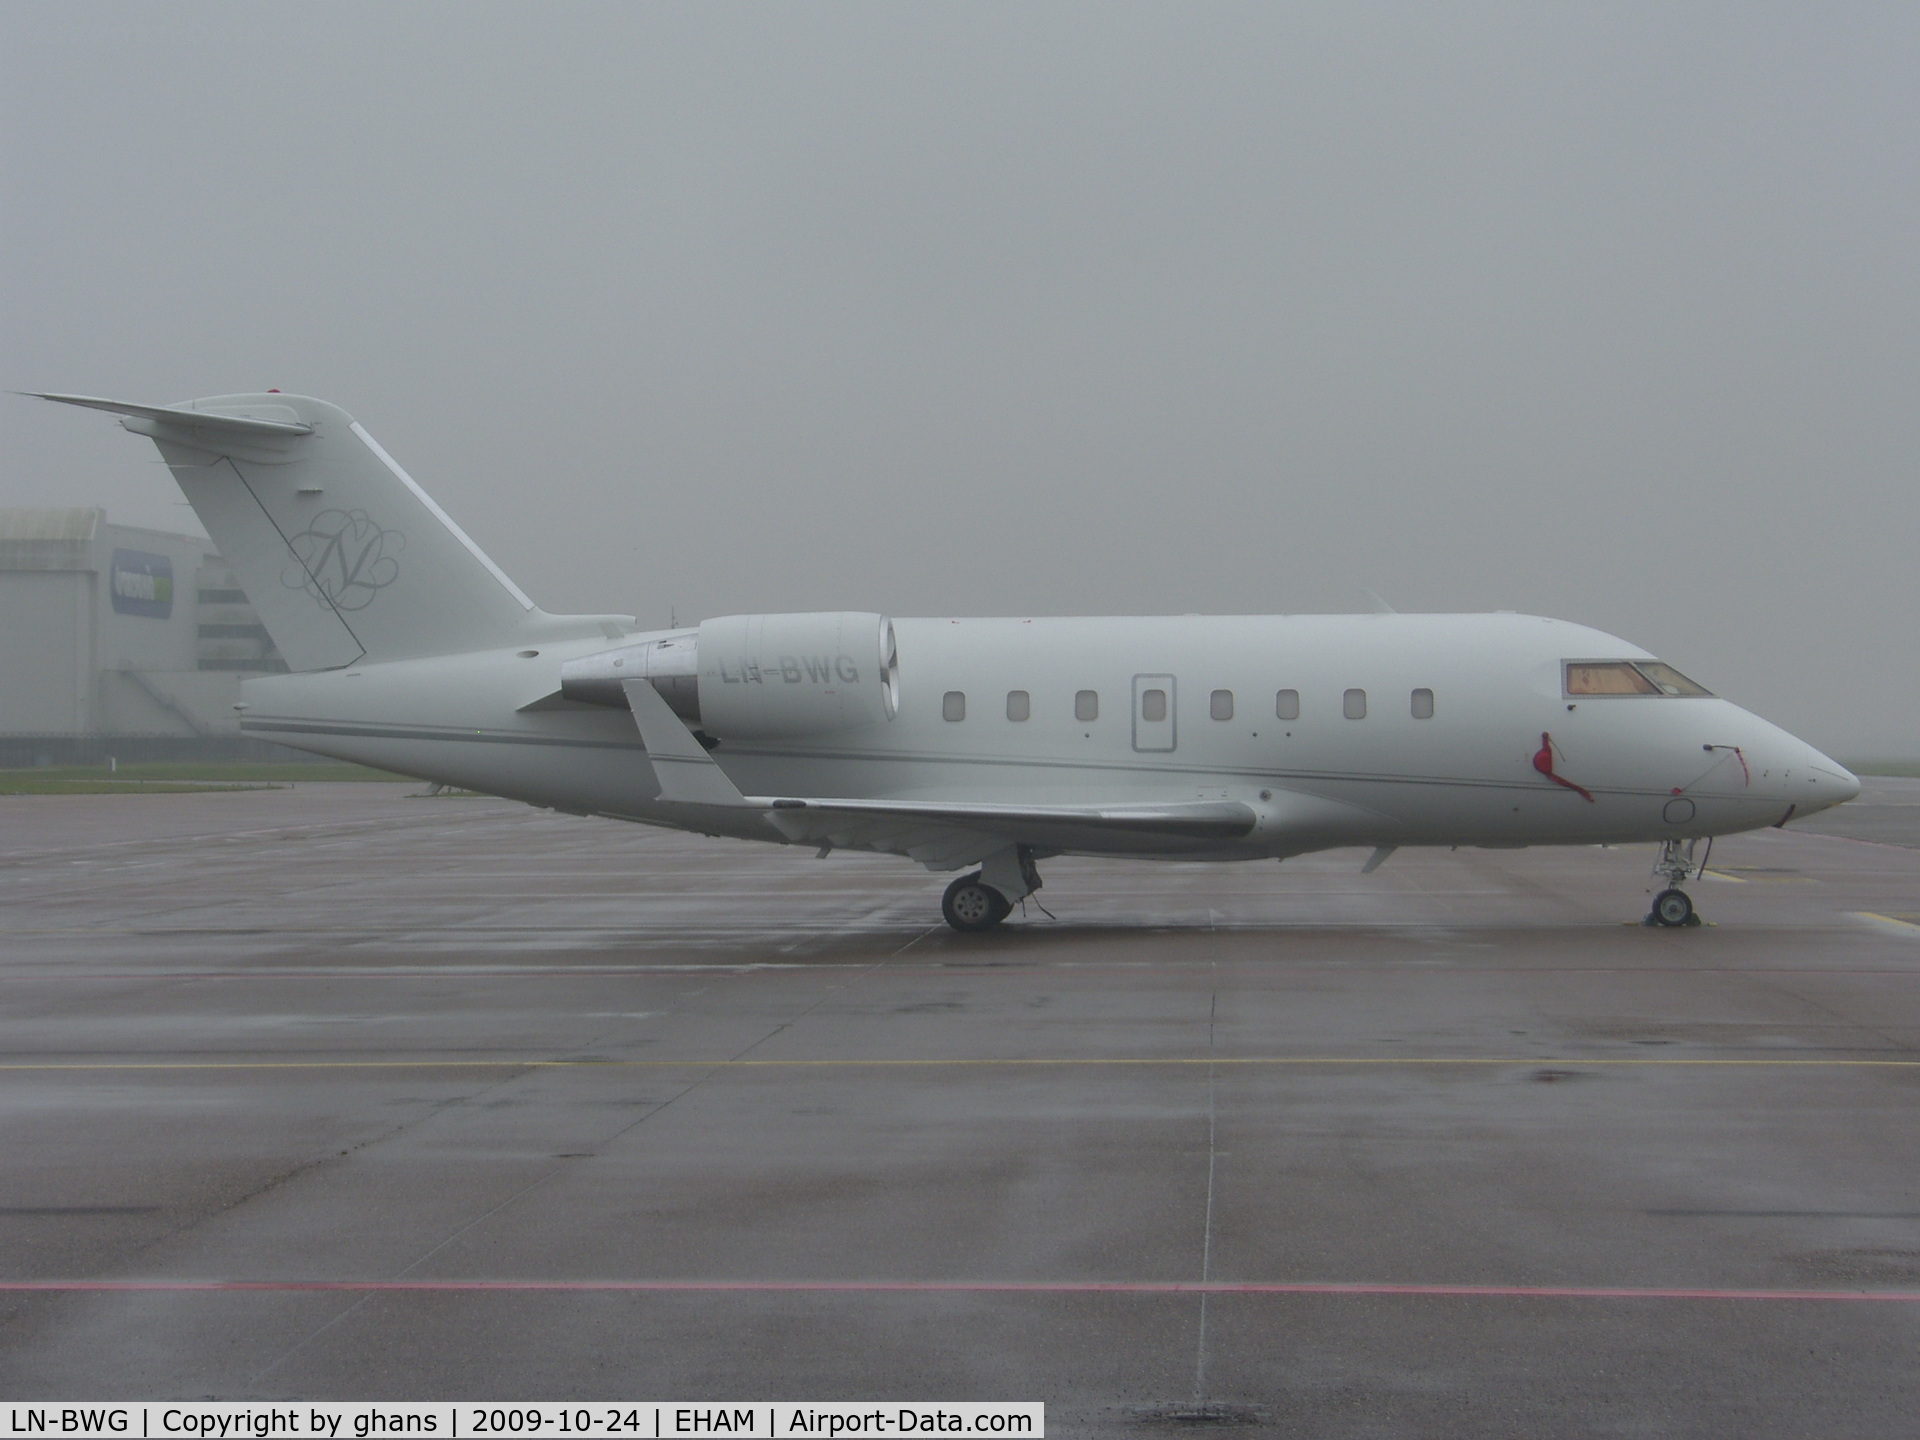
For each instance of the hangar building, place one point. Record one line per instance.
(121, 641)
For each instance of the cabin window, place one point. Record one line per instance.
(1353, 704)
(953, 705)
(1629, 677)
(1153, 706)
(1220, 705)
(1286, 704)
(1086, 705)
(1019, 705)
(1423, 704)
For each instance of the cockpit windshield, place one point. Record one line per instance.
(1629, 677)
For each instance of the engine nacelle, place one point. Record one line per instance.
(771, 677)
(756, 677)
(669, 663)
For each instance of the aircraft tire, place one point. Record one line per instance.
(1673, 908)
(969, 906)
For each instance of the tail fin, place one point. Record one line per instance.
(341, 553)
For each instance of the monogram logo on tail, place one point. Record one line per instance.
(345, 559)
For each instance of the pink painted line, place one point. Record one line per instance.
(956, 1287)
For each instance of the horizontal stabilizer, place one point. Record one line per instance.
(178, 416)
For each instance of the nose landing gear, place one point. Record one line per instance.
(1673, 907)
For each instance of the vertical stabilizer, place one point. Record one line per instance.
(342, 554)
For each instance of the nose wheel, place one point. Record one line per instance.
(1675, 864)
(1673, 908)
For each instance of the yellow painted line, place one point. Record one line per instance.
(1906, 927)
(1008, 1062)
(1723, 875)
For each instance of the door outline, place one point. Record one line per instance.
(1155, 736)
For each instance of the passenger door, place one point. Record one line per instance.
(1153, 712)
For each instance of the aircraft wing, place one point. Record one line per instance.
(944, 835)
(1185, 820)
(941, 834)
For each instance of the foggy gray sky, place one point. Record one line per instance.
(1604, 312)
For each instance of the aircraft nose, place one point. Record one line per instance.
(1832, 784)
(1813, 781)
(1787, 769)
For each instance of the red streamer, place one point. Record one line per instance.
(1543, 762)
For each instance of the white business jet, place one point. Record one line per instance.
(979, 746)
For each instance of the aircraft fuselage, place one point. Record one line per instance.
(1335, 729)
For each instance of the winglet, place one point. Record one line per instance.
(686, 771)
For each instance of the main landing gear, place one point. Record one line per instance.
(969, 904)
(1673, 907)
(983, 899)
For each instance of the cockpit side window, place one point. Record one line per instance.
(1670, 680)
(1628, 677)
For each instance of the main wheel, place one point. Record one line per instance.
(1672, 908)
(970, 905)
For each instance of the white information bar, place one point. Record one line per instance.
(503, 1420)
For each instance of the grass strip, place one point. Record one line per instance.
(181, 777)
